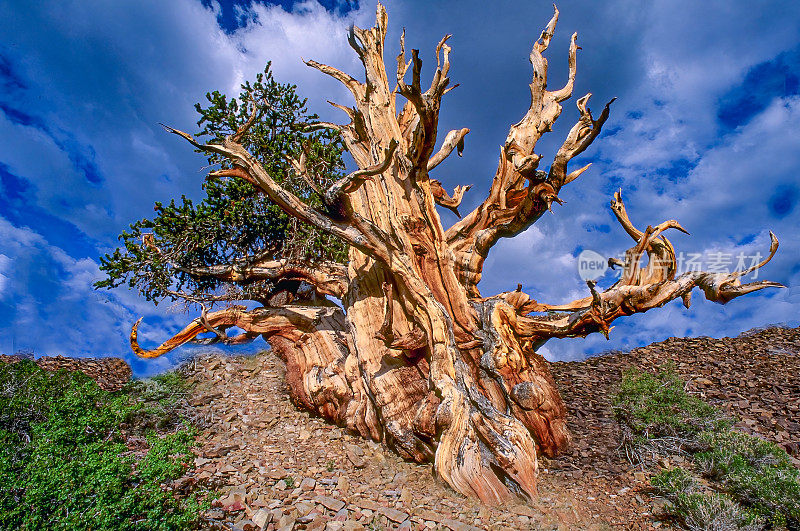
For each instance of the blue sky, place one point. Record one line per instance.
(705, 130)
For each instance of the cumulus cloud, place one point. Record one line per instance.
(92, 81)
(82, 90)
(702, 132)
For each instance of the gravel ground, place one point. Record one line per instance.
(280, 468)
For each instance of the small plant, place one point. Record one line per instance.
(750, 482)
(757, 472)
(698, 510)
(672, 481)
(289, 481)
(331, 466)
(659, 416)
(160, 398)
(65, 463)
(713, 511)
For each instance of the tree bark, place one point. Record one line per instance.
(418, 358)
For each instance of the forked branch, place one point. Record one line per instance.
(247, 167)
(520, 192)
(578, 139)
(442, 198)
(639, 289)
(419, 119)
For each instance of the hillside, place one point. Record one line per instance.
(275, 463)
(274, 466)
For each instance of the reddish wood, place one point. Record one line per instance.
(419, 359)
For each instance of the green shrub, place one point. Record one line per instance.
(700, 510)
(756, 472)
(713, 511)
(672, 481)
(159, 402)
(64, 463)
(751, 481)
(658, 415)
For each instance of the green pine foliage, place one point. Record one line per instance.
(64, 463)
(234, 222)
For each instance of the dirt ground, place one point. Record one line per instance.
(280, 468)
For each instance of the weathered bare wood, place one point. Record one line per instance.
(453, 140)
(418, 359)
(639, 289)
(328, 278)
(442, 198)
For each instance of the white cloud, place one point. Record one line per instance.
(106, 75)
(101, 75)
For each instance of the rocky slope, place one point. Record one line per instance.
(279, 468)
(110, 374)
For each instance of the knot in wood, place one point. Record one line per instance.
(413, 225)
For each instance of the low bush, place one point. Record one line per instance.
(701, 510)
(757, 472)
(64, 461)
(658, 416)
(749, 483)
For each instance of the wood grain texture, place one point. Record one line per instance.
(417, 358)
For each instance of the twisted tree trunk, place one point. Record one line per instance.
(419, 359)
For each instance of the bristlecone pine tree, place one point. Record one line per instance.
(418, 358)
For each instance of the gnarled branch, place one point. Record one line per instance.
(247, 167)
(356, 88)
(328, 278)
(578, 139)
(453, 140)
(350, 183)
(261, 321)
(420, 117)
(638, 289)
(442, 198)
(310, 340)
(520, 192)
